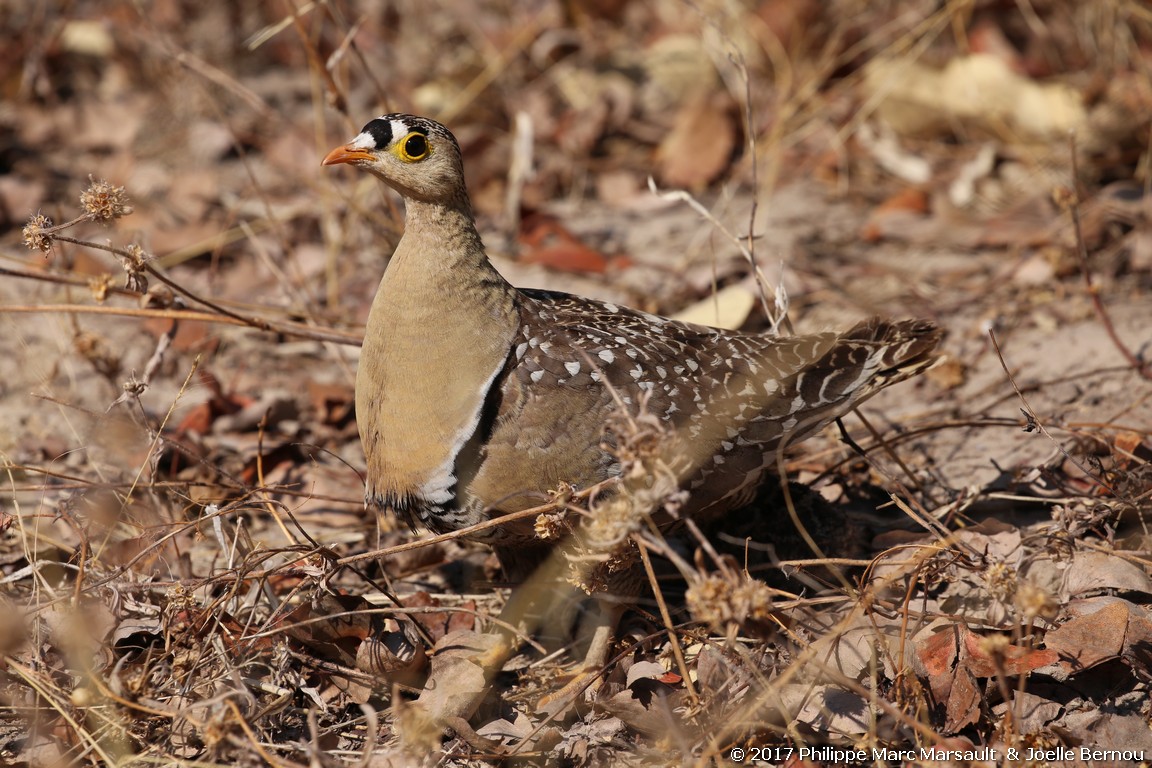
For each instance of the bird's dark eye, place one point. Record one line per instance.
(415, 147)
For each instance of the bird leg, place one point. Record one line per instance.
(597, 629)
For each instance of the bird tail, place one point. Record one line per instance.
(905, 348)
(874, 354)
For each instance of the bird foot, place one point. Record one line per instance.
(585, 675)
(581, 686)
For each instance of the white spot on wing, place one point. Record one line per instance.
(572, 368)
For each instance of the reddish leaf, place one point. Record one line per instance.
(1009, 659)
(200, 418)
(910, 202)
(568, 257)
(938, 652)
(549, 243)
(956, 658)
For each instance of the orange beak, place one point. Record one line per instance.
(346, 154)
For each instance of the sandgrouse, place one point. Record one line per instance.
(474, 398)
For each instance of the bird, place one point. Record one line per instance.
(475, 398)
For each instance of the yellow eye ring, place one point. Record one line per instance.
(414, 147)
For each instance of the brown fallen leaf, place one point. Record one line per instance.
(635, 706)
(963, 705)
(700, 145)
(332, 626)
(547, 242)
(938, 653)
(568, 257)
(333, 402)
(955, 659)
(1131, 449)
(908, 203)
(463, 665)
(199, 418)
(791, 21)
(949, 373)
(1093, 573)
(439, 624)
(1107, 628)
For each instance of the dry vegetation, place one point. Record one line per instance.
(188, 573)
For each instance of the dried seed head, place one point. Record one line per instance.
(1001, 581)
(552, 525)
(103, 201)
(96, 350)
(996, 646)
(589, 579)
(36, 234)
(720, 599)
(1035, 602)
(99, 287)
(133, 264)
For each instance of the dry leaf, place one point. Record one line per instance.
(1099, 571)
(700, 144)
(727, 308)
(1106, 628)
(549, 243)
(463, 664)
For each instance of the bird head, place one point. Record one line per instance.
(417, 157)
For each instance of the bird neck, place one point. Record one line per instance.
(441, 254)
